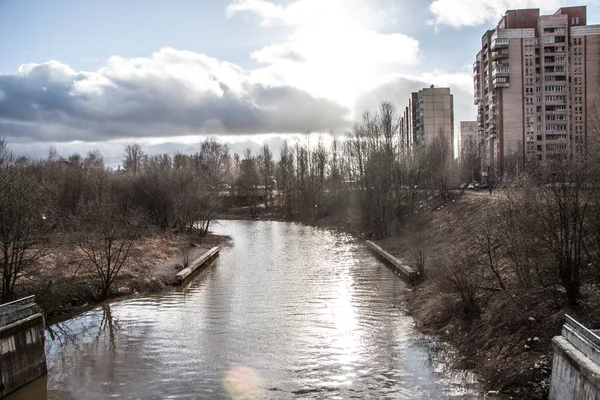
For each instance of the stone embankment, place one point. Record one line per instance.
(22, 352)
(402, 270)
(185, 273)
(576, 363)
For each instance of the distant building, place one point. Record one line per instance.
(430, 113)
(468, 138)
(536, 79)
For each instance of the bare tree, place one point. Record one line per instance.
(286, 174)
(470, 161)
(248, 181)
(134, 156)
(105, 233)
(26, 219)
(462, 275)
(265, 167)
(441, 164)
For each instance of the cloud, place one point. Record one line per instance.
(330, 44)
(398, 91)
(168, 94)
(459, 13)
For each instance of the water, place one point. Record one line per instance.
(286, 311)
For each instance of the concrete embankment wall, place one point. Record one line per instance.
(576, 363)
(22, 352)
(195, 265)
(402, 270)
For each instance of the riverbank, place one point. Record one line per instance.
(507, 339)
(63, 286)
(284, 295)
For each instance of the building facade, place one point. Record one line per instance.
(536, 79)
(429, 115)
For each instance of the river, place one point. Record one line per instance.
(285, 311)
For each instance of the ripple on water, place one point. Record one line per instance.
(310, 313)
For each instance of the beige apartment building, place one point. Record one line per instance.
(536, 80)
(429, 114)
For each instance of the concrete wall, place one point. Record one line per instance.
(400, 269)
(22, 352)
(575, 366)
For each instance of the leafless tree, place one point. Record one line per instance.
(265, 169)
(441, 165)
(462, 275)
(134, 157)
(105, 233)
(27, 213)
(286, 179)
(248, 181)
(470, 161)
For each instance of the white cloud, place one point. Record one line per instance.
(459, 13)
(334, 48)
(170, 93)
(438, 77)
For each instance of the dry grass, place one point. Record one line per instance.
(62, 284)
(508, 342)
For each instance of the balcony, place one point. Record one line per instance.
(501, 70)
(500, 55)
(555, 100)
(501, 82)
(499, 43)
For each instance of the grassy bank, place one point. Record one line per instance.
(507, 337)
(63, 285)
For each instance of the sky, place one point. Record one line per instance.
(85, 75)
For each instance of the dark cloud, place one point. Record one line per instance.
(151, 98)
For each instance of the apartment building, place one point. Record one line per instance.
(429, 114)
(536, 80)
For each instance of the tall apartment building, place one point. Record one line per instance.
(536, 80)
(430, 113)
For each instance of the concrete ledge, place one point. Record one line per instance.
(400, 269)
(581, 343)
(25, 323)
(199, 262)
(22, 357)
(18, 309)
(574, 376)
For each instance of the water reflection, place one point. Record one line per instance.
(287, 311)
